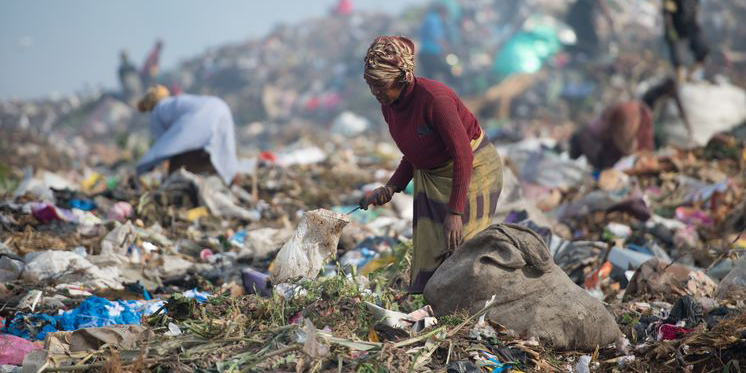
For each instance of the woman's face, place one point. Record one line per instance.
(385, 93)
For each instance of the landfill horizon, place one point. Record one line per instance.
(257, 207)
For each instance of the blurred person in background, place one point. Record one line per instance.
(621, 130)
(581, 17)
(457, 172)
(626, 128)
(129, 78)
(681, 29)
(190, 131)
(150, 67)
(434, 44)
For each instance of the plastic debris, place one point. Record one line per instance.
(120, 211)
(11, 268)
(583, 364)
(67, 267)
(256, 282)
(13, 349)
(734, 284)
(197, 213)
(314, 242)
(82, 204)
(313, 137)
(173, 330)
(667, 332)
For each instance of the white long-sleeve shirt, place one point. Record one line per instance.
(188, 122)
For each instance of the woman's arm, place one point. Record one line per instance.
(401, 176)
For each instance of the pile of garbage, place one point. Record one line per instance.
(281, 85)
(640, 267)
(181, 271)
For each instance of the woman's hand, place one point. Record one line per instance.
(379, 196)
(454, 229)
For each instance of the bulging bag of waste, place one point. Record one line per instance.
(733, 285)
(711, 108)
(533, 296)
(313, 243)
(11, 267)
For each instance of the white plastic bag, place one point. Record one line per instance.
(66, 267)
(313, 243)
(711, 108)
(734, 284)
(349, 124)
(10, 268)
(539, 165)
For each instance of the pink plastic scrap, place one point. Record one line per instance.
(13, 349)
(120, 211)
(205, 254)
(693, 216)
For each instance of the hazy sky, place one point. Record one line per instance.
(63, 45)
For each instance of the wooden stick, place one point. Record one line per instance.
(414, 340)
(73, 368)
(281, 351)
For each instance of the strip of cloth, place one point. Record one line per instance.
(432, 189)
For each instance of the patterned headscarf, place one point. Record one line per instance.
(390, 58)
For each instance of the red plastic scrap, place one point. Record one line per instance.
(596, 277)
(268, 157)
(667, 332)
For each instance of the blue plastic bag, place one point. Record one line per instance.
(82, 204)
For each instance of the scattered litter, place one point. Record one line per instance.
(13, 349)
(237, 273)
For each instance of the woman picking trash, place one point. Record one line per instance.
(190, 131)
(626, 127)
(457, 172)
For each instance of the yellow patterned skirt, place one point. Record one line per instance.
(432, 191)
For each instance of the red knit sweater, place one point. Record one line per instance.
(431, 126)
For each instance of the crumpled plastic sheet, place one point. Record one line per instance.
(13, 349)
(92, 312)
(199, 296)
(542, 166)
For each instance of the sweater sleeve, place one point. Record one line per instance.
(402, 175)
(447, 122)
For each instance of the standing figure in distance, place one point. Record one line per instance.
(681, 29)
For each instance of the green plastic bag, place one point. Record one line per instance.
(526, 51)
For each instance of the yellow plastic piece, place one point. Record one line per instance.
(197, 212)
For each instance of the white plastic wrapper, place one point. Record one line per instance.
(313, 243)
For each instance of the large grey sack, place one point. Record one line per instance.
(533, 296)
